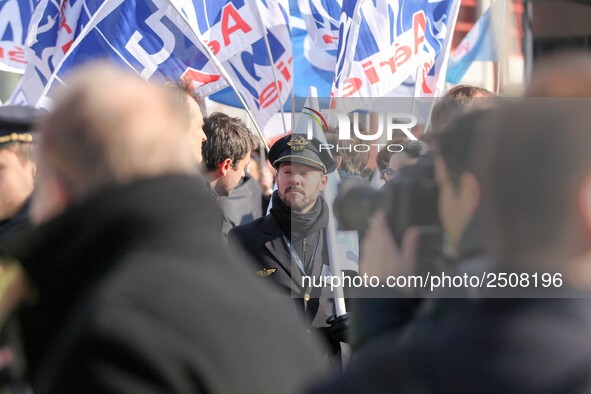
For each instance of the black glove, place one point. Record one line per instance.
(339, 327)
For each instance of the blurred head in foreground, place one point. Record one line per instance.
(562, 75)
(536, 182)
(95, 138)
(460, 100)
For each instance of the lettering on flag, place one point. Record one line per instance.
(387, 41)
(52, 30)
(149, 36)
(238, 32)
(15, 17)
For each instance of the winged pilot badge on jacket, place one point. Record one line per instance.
(266, 272)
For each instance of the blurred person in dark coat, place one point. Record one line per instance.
(454, 136)
(536, 203)
(126, 286)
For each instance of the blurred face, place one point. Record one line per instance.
(454, 210)
(228, 182)
(196, 134)
(16, 181)
(397, 161)
(299, 185)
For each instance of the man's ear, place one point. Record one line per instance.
(470, 191)
(323, 182)
(225, 166)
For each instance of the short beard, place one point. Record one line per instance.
(296, 205)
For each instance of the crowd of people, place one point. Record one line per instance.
(145, 247)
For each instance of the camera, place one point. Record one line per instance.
(408, 200)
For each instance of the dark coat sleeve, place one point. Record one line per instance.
(376, 312)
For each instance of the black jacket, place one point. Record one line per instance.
(380, 311)
(242, 206)
(492, 346)
(136, 293)
(263, 242)
(14, 224)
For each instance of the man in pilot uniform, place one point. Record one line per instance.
(290, 242)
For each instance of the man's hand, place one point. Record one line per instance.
(381, 257)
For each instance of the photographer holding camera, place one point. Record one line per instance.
(455, 205)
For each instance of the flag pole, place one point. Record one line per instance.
(501, 52)
(270, 54)
(224, 75)
(443, 62)
(331, 229)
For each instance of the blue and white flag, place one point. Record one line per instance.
(151, 37)
(253, 30)
(322, 18)
(15, 17)
(314, 57)
(263, 70)
(478, 45)
(312, 65)
(53, 28)
(385, 42)
(206, 42)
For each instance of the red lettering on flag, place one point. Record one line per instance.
(239, 24)
(419, 26)
(214, 45)
(198, 78)
(269, 94)
(17, 55)
(328, 39)
(351, 86)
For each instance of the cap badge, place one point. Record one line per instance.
(298, 143)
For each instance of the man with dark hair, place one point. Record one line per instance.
(290, 242)
(17, 169)
(457, 101)
(459, 196)
(226, 153)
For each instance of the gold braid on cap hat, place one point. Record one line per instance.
(15, 137)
